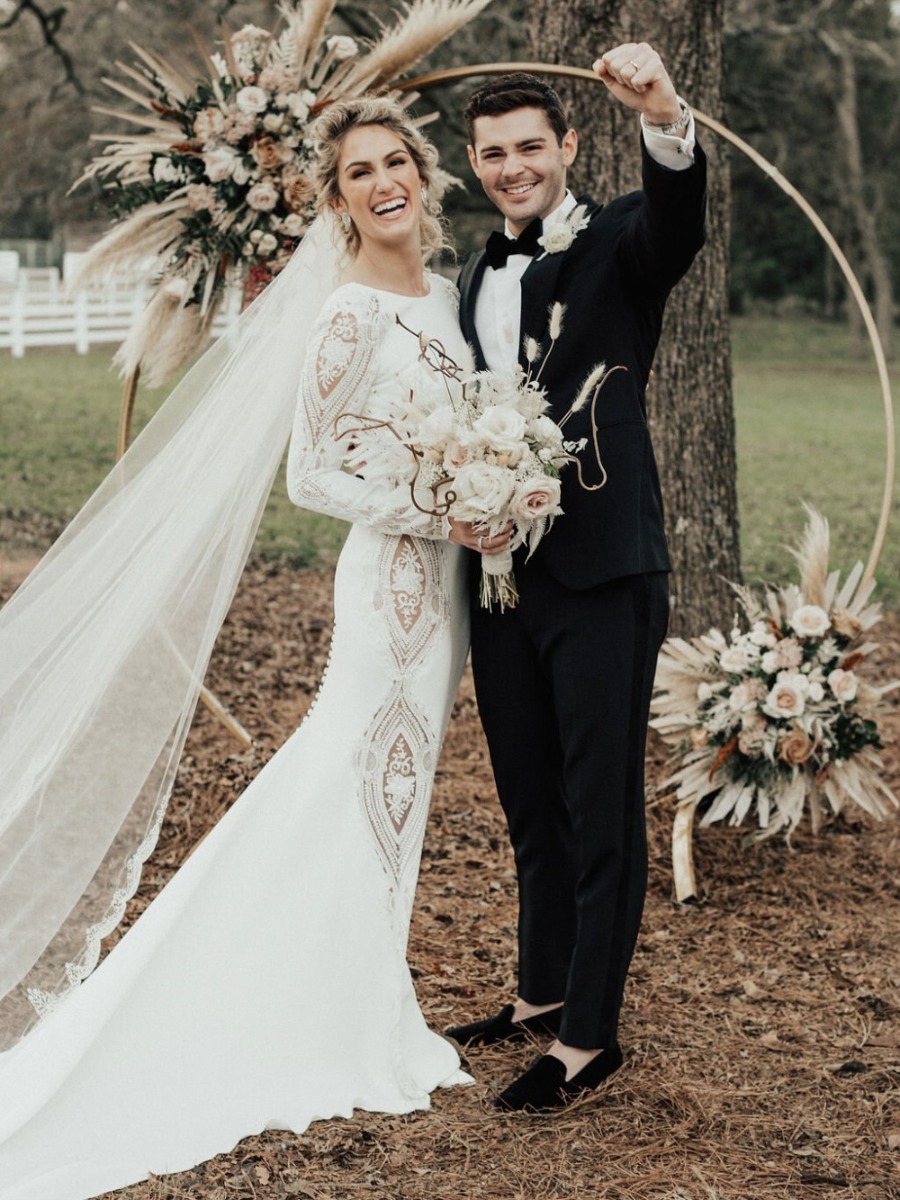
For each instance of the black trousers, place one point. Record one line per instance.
(564, 682)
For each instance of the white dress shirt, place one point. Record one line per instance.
(498, 306)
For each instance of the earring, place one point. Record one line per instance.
(346, 222)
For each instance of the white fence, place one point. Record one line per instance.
(36, 310)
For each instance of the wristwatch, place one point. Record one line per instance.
(674, 127)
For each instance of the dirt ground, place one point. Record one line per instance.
(761, 1025)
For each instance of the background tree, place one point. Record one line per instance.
(690, 396)
(813, 85)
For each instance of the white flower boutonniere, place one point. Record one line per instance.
(560, 236)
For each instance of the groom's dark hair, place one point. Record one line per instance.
(516, 90)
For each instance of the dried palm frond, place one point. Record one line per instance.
(812, 557)
(306, 26)
(424, 25)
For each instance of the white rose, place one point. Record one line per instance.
(743, 697)
(536, 498)
(437, 428)
(558, 238)
(219, 164)
(252, 100)
(241, 173)
(200, 196)
(262, 196)
(165, 171)
(816, 692)
(342, 47)
(267, 243)
(761, 635)
(503, 429)
(843, 684)
(704, 692)
(293, 225)
(734, 660)
(788, 697)
(482, 491)
(546, 431)
(298, 107)
(809, 620)
(208, 124)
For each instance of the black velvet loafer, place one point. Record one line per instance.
(503, 1028)
(544, 1086)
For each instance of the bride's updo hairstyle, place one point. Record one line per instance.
(328, 135)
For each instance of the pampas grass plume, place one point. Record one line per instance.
(557, 312)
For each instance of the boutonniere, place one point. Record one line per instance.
(560, 236)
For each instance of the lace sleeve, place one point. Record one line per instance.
(337, 378)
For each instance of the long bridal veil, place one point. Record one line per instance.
(104, 647)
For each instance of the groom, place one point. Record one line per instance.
(564, 679)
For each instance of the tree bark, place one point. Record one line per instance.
(690, 399)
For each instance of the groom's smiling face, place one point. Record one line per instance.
(521, 164)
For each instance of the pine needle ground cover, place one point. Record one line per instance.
(762, 1024)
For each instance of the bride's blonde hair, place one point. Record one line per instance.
(328, 134)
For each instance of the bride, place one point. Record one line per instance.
(266, 986)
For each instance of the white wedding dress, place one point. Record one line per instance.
(267, 985)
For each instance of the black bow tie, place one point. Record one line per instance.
(499, 247)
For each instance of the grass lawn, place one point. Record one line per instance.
(810, 426)
(809, 418)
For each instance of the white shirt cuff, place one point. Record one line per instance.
(670, 150)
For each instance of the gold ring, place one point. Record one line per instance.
(481, 542)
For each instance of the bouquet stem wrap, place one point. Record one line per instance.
(498, 583)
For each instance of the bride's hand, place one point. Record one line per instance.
(476, 537)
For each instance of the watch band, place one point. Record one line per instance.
(674, 127)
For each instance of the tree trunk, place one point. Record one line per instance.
(690, 399)
(855, 192)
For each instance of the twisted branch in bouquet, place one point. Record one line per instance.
(591, 389)
(369, 425)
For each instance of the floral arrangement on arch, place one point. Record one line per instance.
(216, 186)
(777, 718)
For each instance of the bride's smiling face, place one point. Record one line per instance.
(379, 184)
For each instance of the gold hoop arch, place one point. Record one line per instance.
(683, 824)
(683, 821)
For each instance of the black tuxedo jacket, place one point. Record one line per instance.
(614, 281)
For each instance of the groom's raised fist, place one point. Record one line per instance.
(635, 75)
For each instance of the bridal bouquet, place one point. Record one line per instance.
(492, 456)
(478, 447)
(777, 715)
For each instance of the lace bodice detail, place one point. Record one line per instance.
(354, 364)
